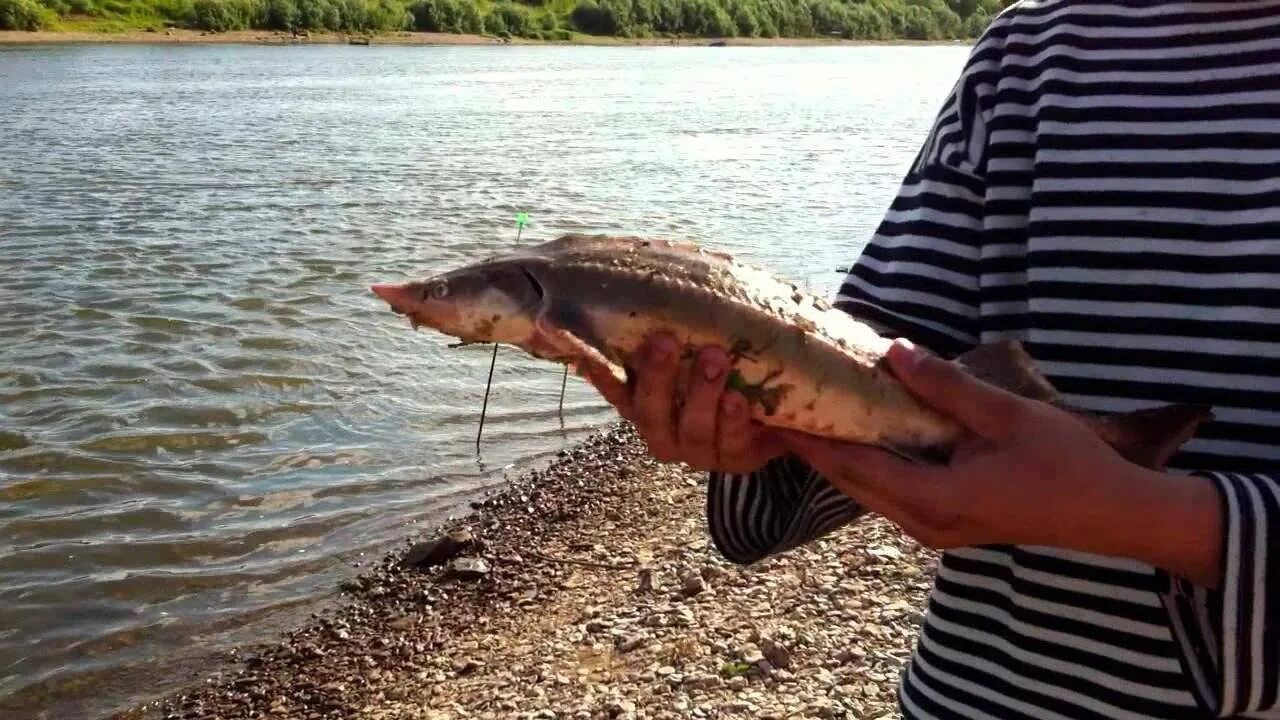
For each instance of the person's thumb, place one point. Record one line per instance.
(985, 409)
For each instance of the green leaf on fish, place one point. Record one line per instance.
(737, 382)
(768, 397)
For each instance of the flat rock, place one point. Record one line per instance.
(439, 549)
(469, 568)
(776, 653)
(691, 583)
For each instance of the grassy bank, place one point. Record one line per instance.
(561, 20)
(276, 37)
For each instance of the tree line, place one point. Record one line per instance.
(538, 19)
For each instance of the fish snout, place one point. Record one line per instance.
(396, 295)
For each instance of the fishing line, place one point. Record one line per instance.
(521, 220)
(564, 381)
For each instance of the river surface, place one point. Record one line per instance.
(206, 418)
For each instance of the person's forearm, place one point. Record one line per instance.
(1173, 522)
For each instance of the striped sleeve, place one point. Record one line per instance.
(1228, 636)
(778, 507)
(917, 278)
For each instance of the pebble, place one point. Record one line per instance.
(620, 707)
(632, 643)
(469, 568)
(776, 653)
(691, 583)
(703, 681)
(439, 549)
(644, 580)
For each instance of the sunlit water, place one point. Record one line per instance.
(205, 415)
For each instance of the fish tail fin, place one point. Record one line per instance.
(1149, 437)
(1152, 436)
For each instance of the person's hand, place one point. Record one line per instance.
(1026, 473)
(713, 430)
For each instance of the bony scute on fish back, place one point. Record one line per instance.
(804, 364)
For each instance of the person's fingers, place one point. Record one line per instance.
(653, 399)
(601, 377)
(985, 409)
(699, 417)
(738, 439)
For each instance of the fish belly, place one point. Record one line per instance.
(794, 380)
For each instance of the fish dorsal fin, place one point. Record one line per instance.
(1007, 365)
(581, 242)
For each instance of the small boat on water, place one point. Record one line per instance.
(358, 41)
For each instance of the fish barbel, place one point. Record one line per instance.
(804, 364)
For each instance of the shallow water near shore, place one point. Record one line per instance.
(205, 416)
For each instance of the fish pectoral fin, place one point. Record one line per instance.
(1151, 437)
(1007, 365)
(562, 345)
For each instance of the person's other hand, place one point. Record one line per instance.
(1026, 473)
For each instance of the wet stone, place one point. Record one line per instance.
(469, 568)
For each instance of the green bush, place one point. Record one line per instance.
(223, 15)
(975, 24)
(594, 19)
(437, 16)
(280, 14)
(916, 23)
(317, 15)
(516, 19)
(25, 15)
(745, 20)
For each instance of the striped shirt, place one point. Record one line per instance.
(1103, 184)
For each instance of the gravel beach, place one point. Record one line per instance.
(590, 589)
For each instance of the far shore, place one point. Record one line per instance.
(269, 37)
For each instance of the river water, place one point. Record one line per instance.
(206, 418)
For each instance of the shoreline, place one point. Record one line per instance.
(590, 589)
(405, 38)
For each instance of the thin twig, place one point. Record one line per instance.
(492, 362)
(563, 382)
(485, 407)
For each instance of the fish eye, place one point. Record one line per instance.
(438, 290)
